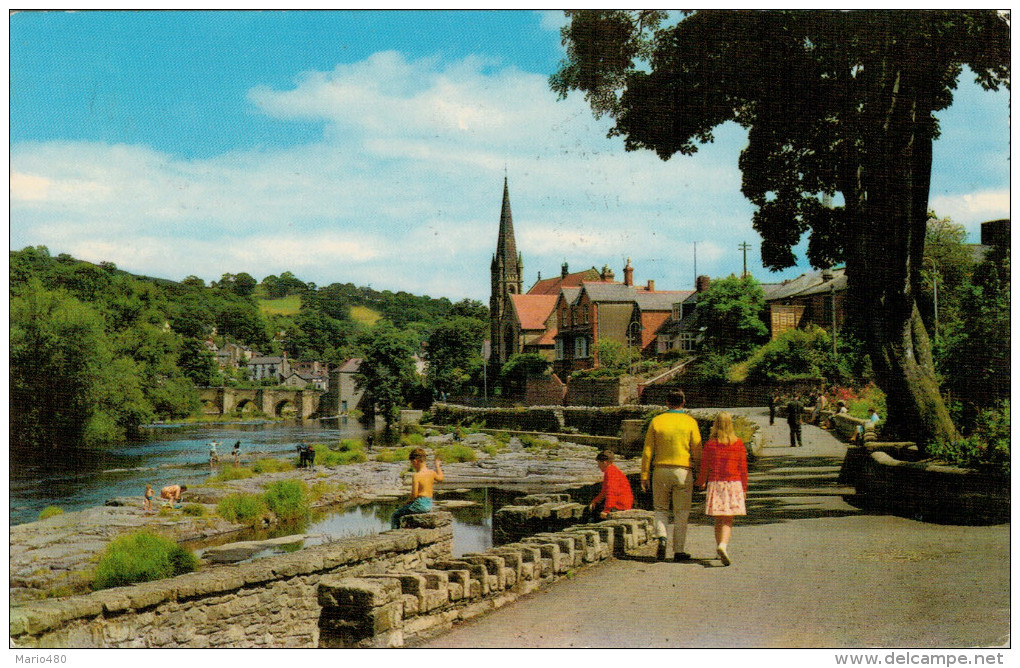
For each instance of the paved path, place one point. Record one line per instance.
(809, 570)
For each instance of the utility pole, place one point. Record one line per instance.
(744, 247)
(695, 265)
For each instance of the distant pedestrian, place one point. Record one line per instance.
(724, 473)
(147, 504)
(772, 407)
(673, 442)
(310, 455)
(236, 453)
(794, 415)
(615, 493)
(213, 457)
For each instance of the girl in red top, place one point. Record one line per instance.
(724, 467)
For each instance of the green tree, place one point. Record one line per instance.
(518, 368)
(58, 355)
(454, 354)
(730, 310)
(834, 102)
(387, 368)
(197, 363)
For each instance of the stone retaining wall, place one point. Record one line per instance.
(270, 602)
(533, 514)
(391, 609)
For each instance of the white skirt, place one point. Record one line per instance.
(725, 497)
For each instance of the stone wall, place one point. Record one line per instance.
(548, 419)
(533, 514)
(595, 392)
(270, 602)
(392, 609)
(546, 390)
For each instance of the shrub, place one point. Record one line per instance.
(535, 443)
(165, 511)
(288, 499)
(987, 445)
(50, 511)
(414, 440)
(351, 453)
(501, 437)
(273, 466)
(141, 557)
(242, 508)
(193, 509)
(456, 453)
(233, 473)
(322, 488)
(393, 455)
(492, 448)
(412, 429)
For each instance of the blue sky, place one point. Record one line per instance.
(370, 147)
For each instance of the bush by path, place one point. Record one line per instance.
(141, 557)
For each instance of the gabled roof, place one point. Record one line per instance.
(552, 286)
(548, 338)
(661, 301)
(266, 360)
(807, 284)
(609, 292)
(533, 310)
(570, 295)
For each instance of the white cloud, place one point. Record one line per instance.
(403, 191)
(972, 208)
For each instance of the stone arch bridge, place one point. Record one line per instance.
(275, 401)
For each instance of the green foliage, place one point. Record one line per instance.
(387, 370)
(390, 455)
(287, 499)
(535, 443)
(616, 356)
(193, 509)
(454, 353)
(456, 453)
(413, 440)
(349, 451)
(518, 368)
(270, 465)
(988, 445)
(710, 367)
(141, 557)
(50, 511)
(233, 473)
(247, 509)
(322, 488)
(731, 310)
(795, 354)
(859, 401)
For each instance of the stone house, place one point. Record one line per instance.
(348, 396)
(816, 297)
(263, 368)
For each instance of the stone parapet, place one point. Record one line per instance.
(391, 610)
(269, 602)
(532, 514)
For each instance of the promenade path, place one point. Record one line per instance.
(809, 570)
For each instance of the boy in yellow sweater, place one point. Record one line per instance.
(673, 443)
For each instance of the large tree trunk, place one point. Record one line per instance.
(884, 259)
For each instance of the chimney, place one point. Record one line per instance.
(628, 274)
(607, 274)
(564, 271)
(827, 274)
(651, 285)
(701, 284)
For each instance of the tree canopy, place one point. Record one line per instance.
(834, 102)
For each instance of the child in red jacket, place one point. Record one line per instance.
(724, 468)
(615, 493)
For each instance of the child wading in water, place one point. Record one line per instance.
(147, 504)
(421, 487)
(724, 467)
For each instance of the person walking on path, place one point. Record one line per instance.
(794, 415)
(773, 400)
(615, 493)
(237, 453)
(723, 472)
(673, 444)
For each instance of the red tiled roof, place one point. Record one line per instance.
(533, 310)
(551, 286)
(549, 338)
(651, 321)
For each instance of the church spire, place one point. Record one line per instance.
(506, 247)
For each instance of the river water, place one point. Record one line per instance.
(168, 454)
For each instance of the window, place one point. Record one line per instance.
(687, 341)
(559, 349)
(580, 347)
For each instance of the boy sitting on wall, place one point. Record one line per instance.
(421, 487)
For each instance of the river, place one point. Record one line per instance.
(167, 454)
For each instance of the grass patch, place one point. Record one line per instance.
(193, 509)
(141, 557)
(535, 443)
(242, 508)
(364, 315)
(456, 453)
(50, 511)
(493, 448)
(165, 511)
(273, 466)
(233, 473)
(414, 440)
(289, 305)
(287, 499)
(322, 488)
(393, 454)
